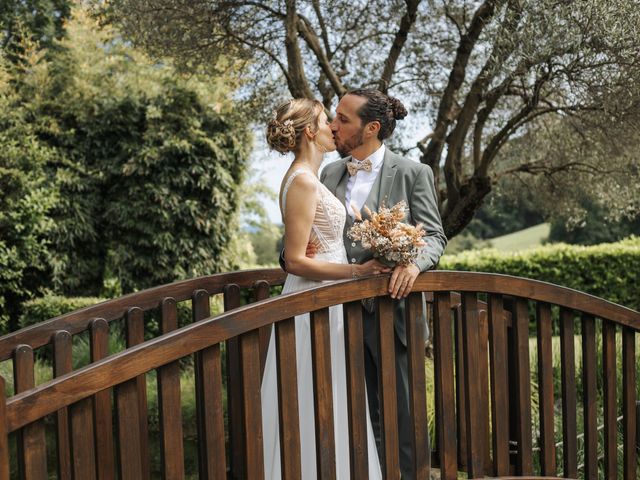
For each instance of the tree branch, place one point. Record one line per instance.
(297, 81)
(311, 38)
(407, 21)
(456, 78)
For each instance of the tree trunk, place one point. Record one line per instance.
(458, 215)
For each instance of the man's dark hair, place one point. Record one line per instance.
(381, 108)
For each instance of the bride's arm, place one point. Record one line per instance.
(300, 209)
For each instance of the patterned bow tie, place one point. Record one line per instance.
(353, 167)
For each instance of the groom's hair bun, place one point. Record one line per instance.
(399, 111)
(289, 120)
(380, 108)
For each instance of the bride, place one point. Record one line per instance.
(311, 214)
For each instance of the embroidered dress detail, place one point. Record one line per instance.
(328, 223)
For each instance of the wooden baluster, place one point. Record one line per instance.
(323, 394)
(524, 462)
(249, 344)
(261, 292)
(461, 392)
(610, 399)
(545, 390)
(483, 399)
(169, 407)
(82, 439)
(471, 339)
(387, 385)
(285, 339)
(589, 397)
(32, 454)
(629, 403)
(99, 331)
(415, 321)
(127, 419)
(4, 434)
(209, 408)
(62, 363)
(569, 400)
(356, 398)
(444, 379)
(498, 353)
(235, 411)
(135, 336)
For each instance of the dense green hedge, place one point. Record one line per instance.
(609, 270)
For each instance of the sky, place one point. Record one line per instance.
(270, 166)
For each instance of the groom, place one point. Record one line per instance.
(371, 175)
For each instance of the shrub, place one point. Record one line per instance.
(610, 271)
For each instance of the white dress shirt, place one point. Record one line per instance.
(359, 185)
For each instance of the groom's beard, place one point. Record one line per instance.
(351, 143)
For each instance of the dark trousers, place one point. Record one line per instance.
(371, 365)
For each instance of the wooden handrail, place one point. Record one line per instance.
(35, 403)
(78, 321)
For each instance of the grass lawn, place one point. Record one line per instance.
(527, 238)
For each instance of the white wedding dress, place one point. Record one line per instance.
(327, 230)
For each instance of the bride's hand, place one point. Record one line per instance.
(372, 267)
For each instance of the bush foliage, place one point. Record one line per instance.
(610, 271)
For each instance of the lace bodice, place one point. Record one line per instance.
(328, 223)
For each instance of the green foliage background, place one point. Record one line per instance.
(610, 271)
(112, 166)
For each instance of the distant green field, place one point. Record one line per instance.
(523, 239)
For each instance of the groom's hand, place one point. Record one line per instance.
(402, 280)
(312, 249)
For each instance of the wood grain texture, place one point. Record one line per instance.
(4, 434)
(629, 420)
(234, 389)
(387, 388)
(323, 394)
(417, 385)
(250, 365)
(569, 395)
(261, 292)
(285, 343)
(82, 439)
(102, 409)
(139, 359)
(62, 364)
(444, 391)
(79, 320)
(461, 389)
(524, 462)
(135, 336)
(498, 353)
(169, 406)
(589, 397)
(128, 428)
(32, 453)
(471, 339)
(545, 389)
(209, 407)
(356, 398)
(610, 400)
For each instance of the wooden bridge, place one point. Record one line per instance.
(92, 423)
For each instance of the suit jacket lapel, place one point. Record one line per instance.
(337, 182)
(382, 187)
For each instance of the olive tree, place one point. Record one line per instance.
(480, 73)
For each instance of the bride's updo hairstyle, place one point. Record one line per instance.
(380, 108)
(284, 130)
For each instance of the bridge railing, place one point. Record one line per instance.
(482, 391)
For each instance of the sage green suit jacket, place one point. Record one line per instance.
(399, 179)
